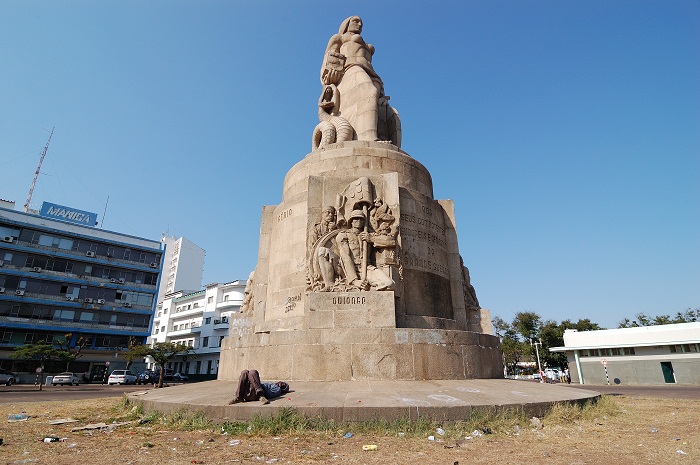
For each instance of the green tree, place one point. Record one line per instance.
(528, 325)
(72, 353)
(513, 349)
(41, 352)
(686, 316)
(161, 352)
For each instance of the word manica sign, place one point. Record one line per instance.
(59, 212)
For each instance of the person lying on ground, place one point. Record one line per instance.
(251, 389)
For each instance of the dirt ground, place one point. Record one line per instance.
(642, 431)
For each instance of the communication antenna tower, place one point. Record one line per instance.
(36, 175)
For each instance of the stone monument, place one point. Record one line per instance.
(359, 275)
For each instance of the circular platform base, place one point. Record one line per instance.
(442, 400)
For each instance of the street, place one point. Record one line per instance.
(31, 393)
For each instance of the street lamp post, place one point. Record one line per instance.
(537, 351)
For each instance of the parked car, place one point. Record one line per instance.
(8, 378)
(121, 377)
(148, 377)
(180, 377)
(66, 378)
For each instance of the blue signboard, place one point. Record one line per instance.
(59, 212)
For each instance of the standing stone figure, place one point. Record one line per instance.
(353, 244)
(324, 265)
(385, 228)
(352, 89)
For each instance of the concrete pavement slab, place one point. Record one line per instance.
(449, 400)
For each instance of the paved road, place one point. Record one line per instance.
(31, 393)
(667, 391)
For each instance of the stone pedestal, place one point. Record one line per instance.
(423, 328)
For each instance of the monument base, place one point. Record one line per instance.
(345, 353)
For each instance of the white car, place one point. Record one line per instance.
(121, 377)
(65, 378)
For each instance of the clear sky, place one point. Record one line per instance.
(566, 132)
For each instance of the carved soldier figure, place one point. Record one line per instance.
(326, 264)
(385, 228)
(353, 245)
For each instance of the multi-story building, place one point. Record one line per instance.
(199, 319)
(59, 275)
(661, 354)
(183, 265)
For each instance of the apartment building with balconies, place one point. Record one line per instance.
(200, 319)
(61, 275)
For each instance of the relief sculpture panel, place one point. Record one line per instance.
(354, 244)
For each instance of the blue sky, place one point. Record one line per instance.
(567, 133)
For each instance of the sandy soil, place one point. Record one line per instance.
(644, 431)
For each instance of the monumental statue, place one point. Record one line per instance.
(353, 105)
(359, 274)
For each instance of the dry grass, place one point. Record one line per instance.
(616, 430)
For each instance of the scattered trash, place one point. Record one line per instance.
(402, 434)
(100, 426)
(431, 438)
(53, 439)
(196, 461)
(72, 445)
(680, 452)
(653, 430)
(347, 435)
(272, 461)
(676, 439)
(61, 421)
(13, 417)
(0, 441)
(369, 447)
(535, 422)
(440, 431)
(234, 442)
(476, 433)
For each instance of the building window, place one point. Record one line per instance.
(162, 328)
(207, 320)
(165, 311)
(210, 299)
(221, 340)
(5, 337)
(127, 254)
(205, 341)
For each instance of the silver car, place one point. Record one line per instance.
(7, 378)
(65, 378)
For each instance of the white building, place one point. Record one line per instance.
(200, 319)
(663, 354)
(183, 265)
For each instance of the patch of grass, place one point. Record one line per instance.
(566, 413)
(290, 421)
(187, 421)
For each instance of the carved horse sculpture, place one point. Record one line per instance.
(332, 128)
